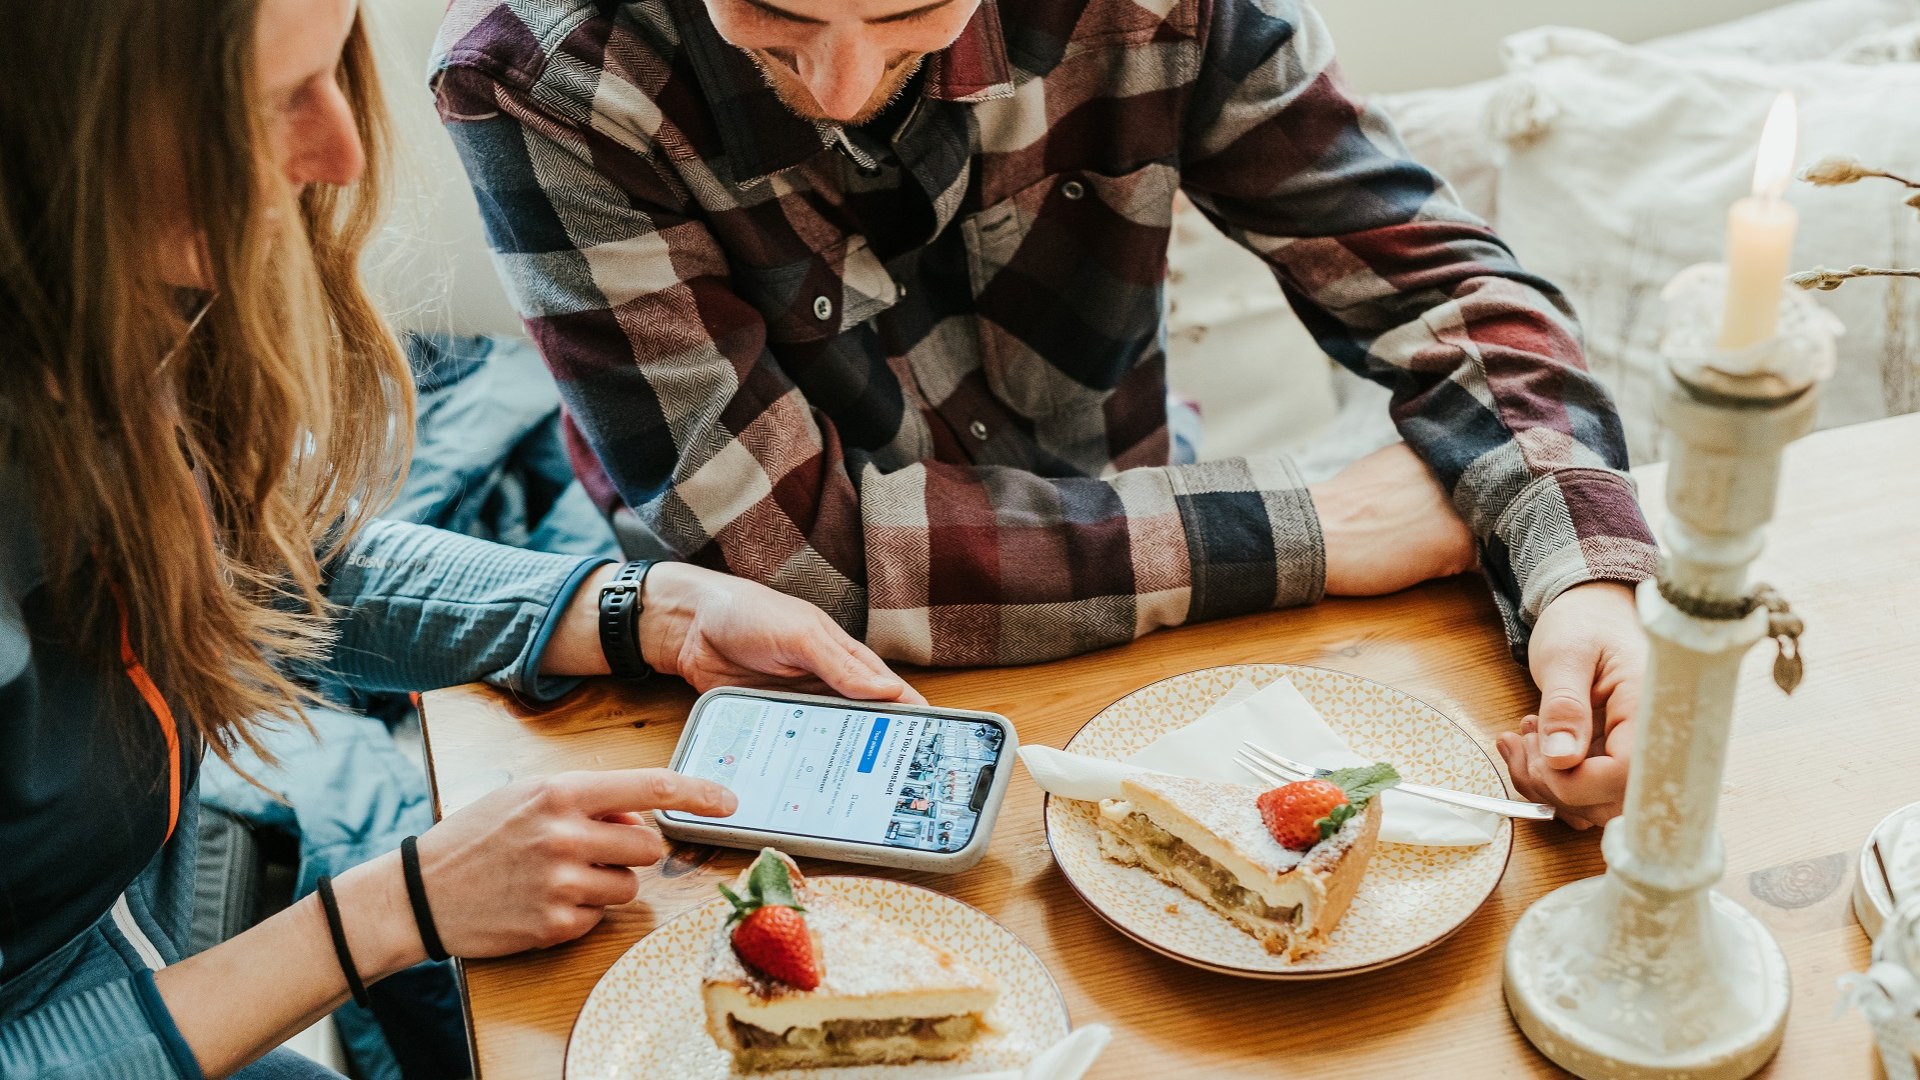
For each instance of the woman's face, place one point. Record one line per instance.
(312, 136)
(297, 46)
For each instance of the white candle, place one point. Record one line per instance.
(1760, 232)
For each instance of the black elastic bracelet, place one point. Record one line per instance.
(417, 896)
(332, 907)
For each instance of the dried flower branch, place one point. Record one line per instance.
(1827, 280)
(1839, 169)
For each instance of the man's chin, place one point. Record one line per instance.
(800, 101)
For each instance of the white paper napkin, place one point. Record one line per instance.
(1067, 1059)
(1278, 718)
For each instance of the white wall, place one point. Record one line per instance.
(431, 269)
(1410, 44)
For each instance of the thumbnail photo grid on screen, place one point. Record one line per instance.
(934, 809)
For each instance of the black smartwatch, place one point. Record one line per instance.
(620, 621)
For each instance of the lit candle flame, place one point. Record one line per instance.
(1778, 145)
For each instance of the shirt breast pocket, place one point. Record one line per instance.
(821, 295)
(1068, 278)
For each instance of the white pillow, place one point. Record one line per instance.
(1457, 130)
(1808, 30)
(1237, 349)
(1629, 178)
(1261, 382)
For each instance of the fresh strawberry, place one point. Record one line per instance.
(1293, 812)
(776, 942)
(770, 932)
(1305, 812)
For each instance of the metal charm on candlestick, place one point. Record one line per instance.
(1648, 972)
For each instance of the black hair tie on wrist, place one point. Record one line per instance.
(417, 896)
(339, 934)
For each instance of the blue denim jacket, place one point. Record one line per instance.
(424, 608)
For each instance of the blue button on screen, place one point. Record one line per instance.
(874, 739)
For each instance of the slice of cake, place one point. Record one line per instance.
(1283, 865)
(799, 978)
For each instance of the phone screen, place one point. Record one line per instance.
(876, 777)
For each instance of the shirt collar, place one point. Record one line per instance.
(763, 137)
(974, 67)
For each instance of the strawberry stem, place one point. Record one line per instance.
(769, 883)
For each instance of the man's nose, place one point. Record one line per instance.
(842, 73)
(325, 146)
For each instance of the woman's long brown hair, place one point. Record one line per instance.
(202, 452)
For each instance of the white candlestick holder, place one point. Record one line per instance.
(1647, 972)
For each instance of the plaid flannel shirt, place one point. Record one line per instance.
(915, 372)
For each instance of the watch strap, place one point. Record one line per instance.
(620, 621)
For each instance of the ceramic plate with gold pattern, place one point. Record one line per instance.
(644, 1019)
(1411, 898)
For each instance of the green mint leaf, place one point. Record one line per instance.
(1337, 817)
(1363, 782)
(769, 881)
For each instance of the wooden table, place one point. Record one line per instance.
(1808, 777)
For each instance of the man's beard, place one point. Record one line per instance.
(795, 96)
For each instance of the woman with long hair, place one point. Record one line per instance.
(200, 411)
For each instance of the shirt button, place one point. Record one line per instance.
(822, 308)
(900, 290)
(979, 430)
(1073, 189)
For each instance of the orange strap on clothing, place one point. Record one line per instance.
(150, 692)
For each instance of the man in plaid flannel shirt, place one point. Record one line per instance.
(863, 299)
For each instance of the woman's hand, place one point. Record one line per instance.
(530, 865)
(713, 630)
(538, 863)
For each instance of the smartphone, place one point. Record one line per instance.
(891, 785)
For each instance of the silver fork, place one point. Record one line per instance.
(1277, 769)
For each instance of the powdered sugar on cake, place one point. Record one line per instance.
(861, 955)
(1232, 812)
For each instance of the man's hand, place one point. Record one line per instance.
(1588, 654)
(714, 629)
(1387, 525)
